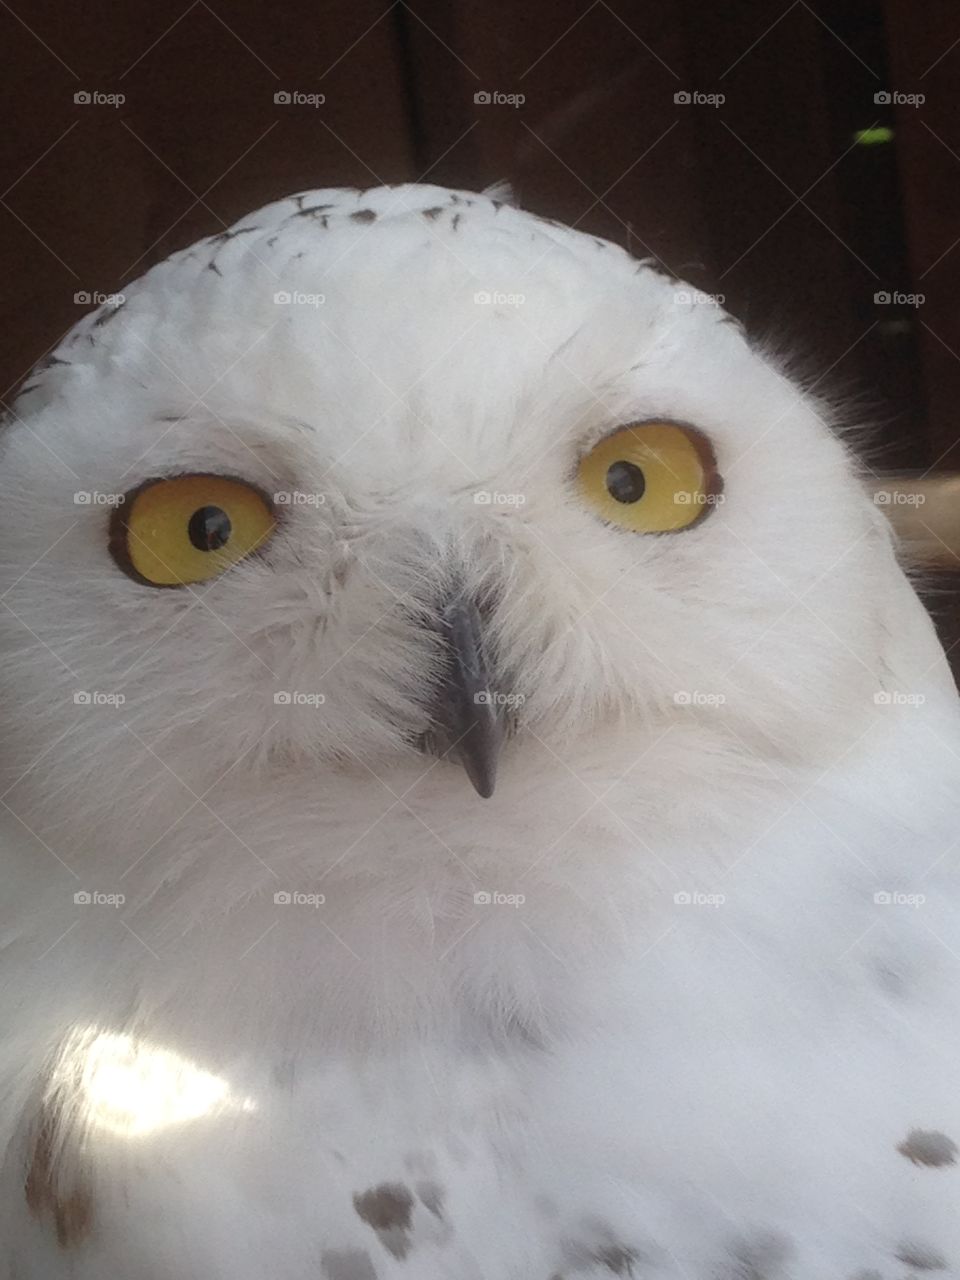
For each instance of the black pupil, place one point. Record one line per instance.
(209, 528)
(625, 482)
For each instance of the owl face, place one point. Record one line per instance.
(396, 482)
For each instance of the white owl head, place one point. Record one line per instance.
(376, 473)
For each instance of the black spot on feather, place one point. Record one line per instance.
(108, 314)
(929, 1147)
(223, 236)
(387, 1208)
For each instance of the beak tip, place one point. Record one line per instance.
(481, 772)
(467, 719)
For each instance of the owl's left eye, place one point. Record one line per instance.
(651, 477)
(181, 529)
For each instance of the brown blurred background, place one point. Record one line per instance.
(800, 159)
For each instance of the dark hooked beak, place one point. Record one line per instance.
(468, 722)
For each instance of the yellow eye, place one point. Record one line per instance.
(188, 528)
(654, 477)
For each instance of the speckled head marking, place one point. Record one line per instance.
(921, 1256)
(929, 1147)
(387, 1209)
(600, 1248)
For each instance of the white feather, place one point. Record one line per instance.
(707, 1024)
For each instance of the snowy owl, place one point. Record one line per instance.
(479, 793)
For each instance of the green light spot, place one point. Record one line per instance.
(873, 137)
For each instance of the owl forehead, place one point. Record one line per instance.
(441, 323)
(392, 283)
(413, 303)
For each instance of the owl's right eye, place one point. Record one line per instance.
(651, 477)
(188, 528)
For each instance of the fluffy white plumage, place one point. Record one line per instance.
(705, 1045)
